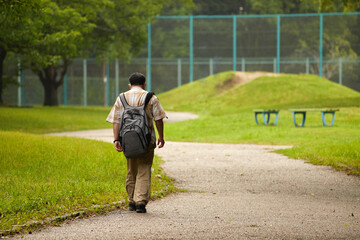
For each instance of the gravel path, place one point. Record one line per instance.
(107, 135)
(235, 191)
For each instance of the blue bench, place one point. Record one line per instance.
(323, 112)
(266, 115)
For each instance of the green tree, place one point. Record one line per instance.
(115, 29)
(61, 30)
(17, 31)
(65, 29)
(331, 5)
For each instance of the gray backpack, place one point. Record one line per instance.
(134, 131)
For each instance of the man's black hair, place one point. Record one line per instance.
(137, 79)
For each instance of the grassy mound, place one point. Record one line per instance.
(284, 91)
(226, 115)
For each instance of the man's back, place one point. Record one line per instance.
(136, 97)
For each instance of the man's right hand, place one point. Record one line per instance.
(118, 146)
(160, 142)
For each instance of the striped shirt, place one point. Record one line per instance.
(136, 97)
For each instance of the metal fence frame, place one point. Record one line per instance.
(234, 17)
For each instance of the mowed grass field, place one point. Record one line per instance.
(226, 116)
(53, 119)
(46, 176)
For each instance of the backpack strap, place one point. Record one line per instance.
(149, 95)
(123, 100)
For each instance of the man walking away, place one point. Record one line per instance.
(138, 178)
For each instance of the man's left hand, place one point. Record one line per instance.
(118, 146)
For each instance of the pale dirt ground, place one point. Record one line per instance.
(240, 78)
(235, 191)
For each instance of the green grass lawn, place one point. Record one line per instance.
(226, 116)
(52, 119)
(45, 176)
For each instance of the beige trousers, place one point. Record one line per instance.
(138, 180)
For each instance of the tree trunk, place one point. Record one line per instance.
(2, 59)
(48, 78)
(50, 94)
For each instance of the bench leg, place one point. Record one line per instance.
(266, 121)
(256, 118)
(277, 118)
(323, 119)
(268, 118)
(303, 120)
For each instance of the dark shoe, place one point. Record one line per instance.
(140, 208)
(132, 207)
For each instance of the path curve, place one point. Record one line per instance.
(106, 135)
(235, 191)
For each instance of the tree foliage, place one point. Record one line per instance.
(17, 31)
(225, 7)
(61, 30)
(331, 5)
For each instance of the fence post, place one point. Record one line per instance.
(22, 87)
(243, 67)
(85, 81)
(107, 84)
(104, 81)
(179, 72)
(149, 58)
(191, 54)
(234, 43)
(340, 70)
(116, 78)
(278, 45)
(321, 45)
(65, 89)
(19, 82)
(307, 65)
(274, 65)
(211, 66)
